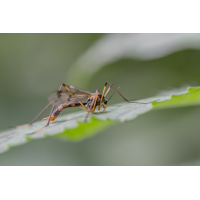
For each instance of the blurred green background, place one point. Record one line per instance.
(34, 65)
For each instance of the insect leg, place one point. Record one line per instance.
(83, 107)
(89, 112)
(63, 85)
(51, 109)
(108, 90)
(92, 106)
(102, 96)
(105, 103)
(48, 119)
(95, 101)
(87, 117)
(111, 85)
(34, 118)
(85, 120)
(40, 114)
(113, 94)
(105, 93)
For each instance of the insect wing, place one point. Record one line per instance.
(75, 89)
(65, 96)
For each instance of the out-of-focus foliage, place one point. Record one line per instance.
(114, 47)
(34, 65)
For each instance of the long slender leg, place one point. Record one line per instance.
(111, 85)
(105, 104)
(89, 112)
(34, 118)
(102, 96)
(48, 119)
(83, 107)
(112, 94)
(63, 85)
(95, 101)
(87, 117)
(105, 96)
(40, 114)
(108, 90)
(92, 106)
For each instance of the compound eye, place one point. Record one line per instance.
(105, 101)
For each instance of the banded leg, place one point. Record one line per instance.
(108, 90)
(102, 96)
(95, 101)
(65, 86)
(92, 106)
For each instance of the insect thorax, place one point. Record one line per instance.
(90, 99)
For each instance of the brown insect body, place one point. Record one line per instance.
(61, 107)
(71, 96)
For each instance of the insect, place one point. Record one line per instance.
(71, 96)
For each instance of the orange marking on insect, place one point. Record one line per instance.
(51, 119)
(60, 108)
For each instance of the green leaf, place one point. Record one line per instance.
(83, 130)
(189, 98)
(72, 126)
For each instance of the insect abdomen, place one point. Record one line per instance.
(57, 111)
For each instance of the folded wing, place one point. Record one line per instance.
(64, 96)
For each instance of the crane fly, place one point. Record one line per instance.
(71, 96)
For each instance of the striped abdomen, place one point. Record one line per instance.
(57, 111)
